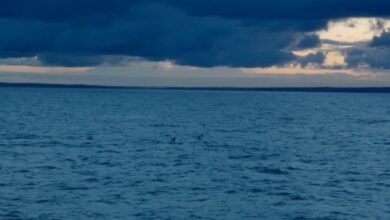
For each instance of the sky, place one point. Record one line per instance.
(221, 43)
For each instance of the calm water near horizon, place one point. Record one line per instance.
(164, 154)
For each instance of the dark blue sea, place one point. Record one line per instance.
(163, 154)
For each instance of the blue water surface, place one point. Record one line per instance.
(164, 154)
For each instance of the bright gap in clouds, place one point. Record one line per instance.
(354, 29)
(336, 38)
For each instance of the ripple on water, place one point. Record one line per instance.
(136, 154)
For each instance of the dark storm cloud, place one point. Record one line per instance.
(285, 9)
(246, 33)
(254, 9)
(309, 41)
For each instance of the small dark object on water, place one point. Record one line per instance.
(200, 137)
(173, 140)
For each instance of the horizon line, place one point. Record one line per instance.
(370, 89)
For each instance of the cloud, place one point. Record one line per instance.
(38, 69)
(151, 32)
(96, 10)
(317, 59)
(377, 58)
(193, 33)
(381, 41)
(285, 9)
(309, 41)
(297, 70)
(374, 54)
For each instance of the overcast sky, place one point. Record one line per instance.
(244, 43)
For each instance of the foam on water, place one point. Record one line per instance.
(153, 154)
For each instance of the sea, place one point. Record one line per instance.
(94, 153)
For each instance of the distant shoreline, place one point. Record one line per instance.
(253, 89)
